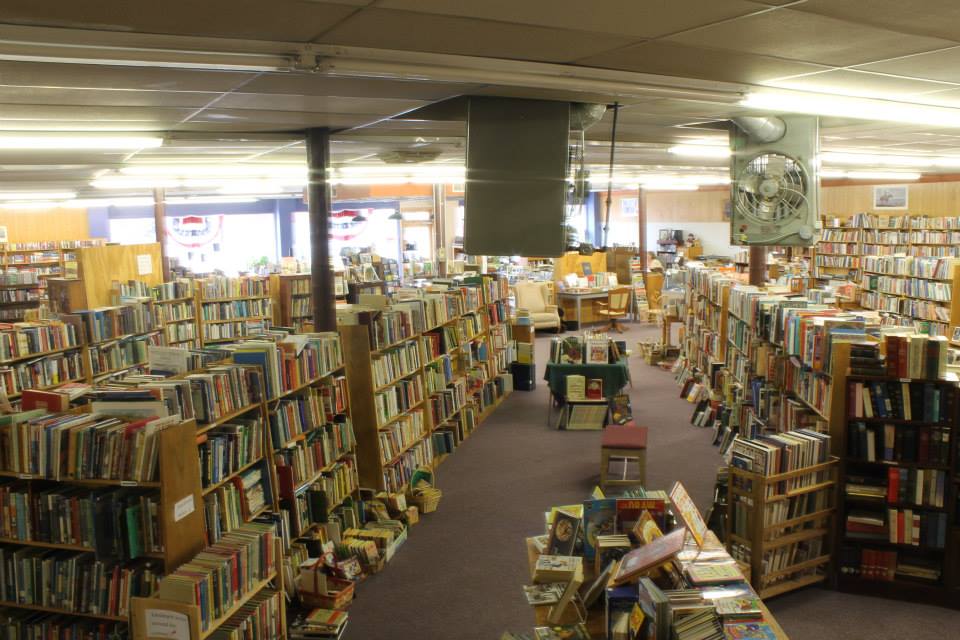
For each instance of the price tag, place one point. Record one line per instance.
(129, 483)
(25, 476)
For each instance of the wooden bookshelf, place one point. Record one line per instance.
(175, 312)
(292, 300)
(153, 618)
(178, 515)
(906, 453)
(225, 306)
(761, 543)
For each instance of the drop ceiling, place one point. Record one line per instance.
(874, 48)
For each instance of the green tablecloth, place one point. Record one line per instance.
(614, 376)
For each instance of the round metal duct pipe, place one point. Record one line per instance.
(767, 130)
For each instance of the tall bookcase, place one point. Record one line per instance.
(231, 308)
(175, 311)
(291, 300)
(18, 293)
(178, 517)
(898, 527)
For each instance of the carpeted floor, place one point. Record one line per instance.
(459, 575)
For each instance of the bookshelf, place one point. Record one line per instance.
(43, 260)
(898, 522)
(781, 524)
(117, 338)
(258, 602)
(19, 291)
(173, 493)
(292, 300)
(231, 308)
(38, 355)
(175, 312)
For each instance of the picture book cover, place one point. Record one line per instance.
(599, 519)
(630, 509)
(563, 534)
(598, 350)
(594, 389)
(706, 573)
(749, 631)
(571, 351)
(687, 512)
(739, 607)
(657, 552)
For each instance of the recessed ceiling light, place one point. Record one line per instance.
(38, 195)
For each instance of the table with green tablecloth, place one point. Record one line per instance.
(615, 377)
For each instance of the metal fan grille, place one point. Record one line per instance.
(771, 188)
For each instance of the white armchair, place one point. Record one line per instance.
(534, 297)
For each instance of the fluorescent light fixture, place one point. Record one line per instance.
(188, 170)
(882, 175)
(832, 173)
(700, 151)
(113, 202)
(62, 142)
(39, 195)
(30, 204)
(665, 186)
(883, 159)
(211, 199)
(824, 104)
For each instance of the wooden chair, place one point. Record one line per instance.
(616, 306)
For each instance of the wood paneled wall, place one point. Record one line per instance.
(925, 198)
(32, 225)
(686, 206)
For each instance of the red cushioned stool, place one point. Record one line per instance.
(623, 442)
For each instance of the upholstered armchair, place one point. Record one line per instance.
(534, 297)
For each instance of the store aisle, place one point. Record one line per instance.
(459, 575)
(460, 572)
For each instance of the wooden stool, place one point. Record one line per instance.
(626, 442)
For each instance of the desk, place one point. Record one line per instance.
(577, 297)
(615, 377)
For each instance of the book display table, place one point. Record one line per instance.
(595, 617)
(575, 300)
(614, 376)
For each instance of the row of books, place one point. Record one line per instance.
(42, 372)
(586, 349)
(235, 309)
(113, 322)
(219, 577)
(174, 290)
(10, 296)
(898, 400)
(215, 287)
(397, 399)
(781, 453)
(876, 564)
(447, 402)
(239, 328)
(396, 476)
(71, 581)
(10, 277)
(316, 406)
(299, 462)
(921, 445)
(118, 524)
(24, 339)
(120, 355)
(400, 434)
(174, 312)
(180, 332)
(918, 267)
(916, 356)
(438, 374)
(229, 448)
(82, 446)
(899, 485)
(396, 362)
(223, 390)
(911, 287)
(899, 526)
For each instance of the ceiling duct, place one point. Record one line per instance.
(584, 115)
(764, 130)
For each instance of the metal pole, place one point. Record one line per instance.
(758, 265)
(318, 195)
(160, 229)
(439, 228)
(642, 224)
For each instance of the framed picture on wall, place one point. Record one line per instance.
(890, 196)
(630, 207)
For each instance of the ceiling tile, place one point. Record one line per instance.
(938, 18)
(322, 104)
(673, 59)
(307, 84)
(263, 120)
(858, 83)
(555, 94)
(409, 31)
(635, 19)
(293, 20)
(72, 118)
(807, 37)
(938, 65)
(84, 76)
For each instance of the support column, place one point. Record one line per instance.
(642, 230)
(758, 265)
(160, 229)
(439, 229)
(318, 193)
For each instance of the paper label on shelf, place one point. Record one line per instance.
(167, 624)
(3, 234)
(182, 508)
(144, 264)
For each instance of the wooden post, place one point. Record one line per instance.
(758, 265)
(642, 230)
(321, 278)
(440, 228)
(160, 228)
